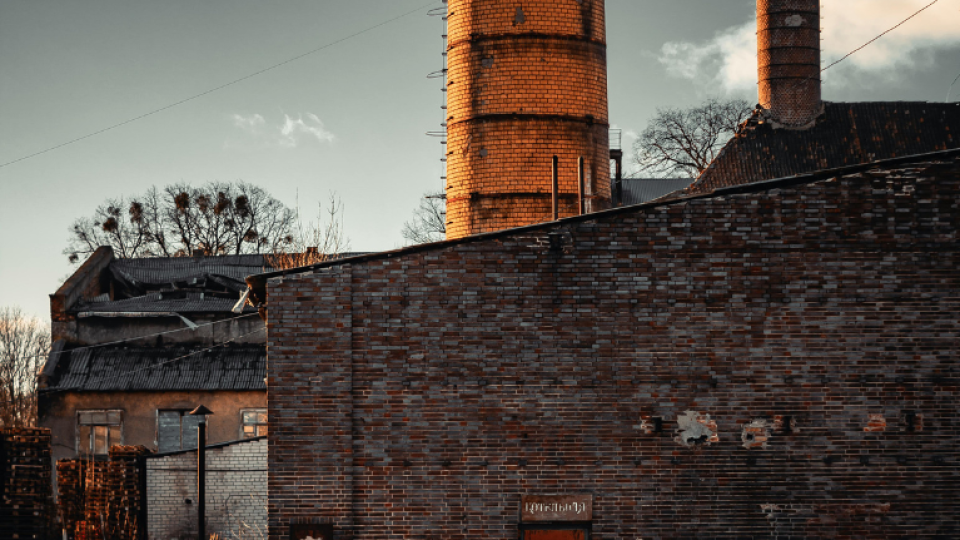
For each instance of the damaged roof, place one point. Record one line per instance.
(846, 134)
(164, 302)
(227, 271)
(119, 368)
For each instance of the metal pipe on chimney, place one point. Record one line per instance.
(556, 188)
(580, 183)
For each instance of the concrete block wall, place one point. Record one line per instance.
(775, 364)
(236, 492)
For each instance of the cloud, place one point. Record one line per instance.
(293, 130)
(290, 134)
(249, 123)
(729, 59)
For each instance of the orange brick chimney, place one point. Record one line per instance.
(527, 81)
(788, 40)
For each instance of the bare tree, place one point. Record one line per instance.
(683, 142)
(24, 344)
(215, 219)
(313, 242)
(429, 223)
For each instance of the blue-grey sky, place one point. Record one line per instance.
(349, 119)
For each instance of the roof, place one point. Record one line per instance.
(845, 134)
(119, 368)
(258, 282)
(165, 271)
(164, 302)
(167, 286)
(641, 190)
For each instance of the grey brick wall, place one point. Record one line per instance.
(236, 492)
(799, 345)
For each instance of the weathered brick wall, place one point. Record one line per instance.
(236, 492)
(526, 81)
(797, 346)
(26, 499)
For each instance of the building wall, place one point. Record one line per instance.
(526, 82)
(140, 414)
(798, 347)
(236, 492)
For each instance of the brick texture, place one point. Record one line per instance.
(780, 363)
(526, 82)
(236, 492)
(788, 55)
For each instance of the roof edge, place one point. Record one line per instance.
(207, 447)
(257, 283)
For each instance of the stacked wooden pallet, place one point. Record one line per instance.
(70, 486)
(102, 498)
(25, 484)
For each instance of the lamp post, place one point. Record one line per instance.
(202, 412)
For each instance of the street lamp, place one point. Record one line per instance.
(202, 412)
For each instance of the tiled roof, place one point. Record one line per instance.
(164, 302)
(846, 134)
(641, 190)
(117, 368)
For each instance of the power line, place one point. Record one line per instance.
(138, 338)
(950, 90)
(151, 366)
(215, 89)
(898, 25)
(865, 45)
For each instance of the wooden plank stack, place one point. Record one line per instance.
(25, 484)
(101, 494)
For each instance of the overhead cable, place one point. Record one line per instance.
(214, 89)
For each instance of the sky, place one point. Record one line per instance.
(351, 118)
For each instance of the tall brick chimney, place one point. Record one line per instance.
(788, 40)
(527, 81)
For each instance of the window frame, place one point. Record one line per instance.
(182, 413)
(89, 451)
(258, 410)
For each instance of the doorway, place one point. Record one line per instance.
(555, 532)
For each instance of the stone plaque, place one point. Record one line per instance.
(534, 508)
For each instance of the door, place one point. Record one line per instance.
(554, 535)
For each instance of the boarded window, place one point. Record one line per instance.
(176, 430)
(253, 423)
(97, 431)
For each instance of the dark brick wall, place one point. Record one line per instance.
(811, 332)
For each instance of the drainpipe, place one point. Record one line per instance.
(580, 183)
(556, 187)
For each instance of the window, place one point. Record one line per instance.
(97, 431)
(254, 423)
(176, 430)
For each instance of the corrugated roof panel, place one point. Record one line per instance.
(235, 367)
(641, 190)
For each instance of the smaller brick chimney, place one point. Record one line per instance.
(788, 41)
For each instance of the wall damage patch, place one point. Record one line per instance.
(876, 422)
(695, 429)
(755, 435)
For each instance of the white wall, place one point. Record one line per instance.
(236, 493)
